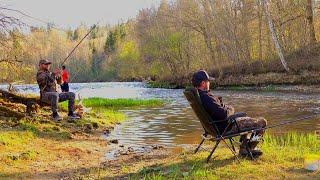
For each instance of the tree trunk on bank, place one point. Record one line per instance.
(274, 36)
(260, 30)
(309, 16)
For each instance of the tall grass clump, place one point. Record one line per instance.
(293, 139)
(119, 103)
(97, 102)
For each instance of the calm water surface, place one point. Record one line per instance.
(175, 123)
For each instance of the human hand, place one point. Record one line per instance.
(57, 71)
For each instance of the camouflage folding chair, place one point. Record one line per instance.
(211, 131)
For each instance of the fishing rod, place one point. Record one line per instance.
(92, 28)
(269, 127)
(292, 121)
(283, 123)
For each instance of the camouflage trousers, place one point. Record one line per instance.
(246, 123)
(53, 98)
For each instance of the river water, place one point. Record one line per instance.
(175, 124)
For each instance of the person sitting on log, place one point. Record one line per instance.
(220, 111)
(47, 82)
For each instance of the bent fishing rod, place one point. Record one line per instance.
(71, 52)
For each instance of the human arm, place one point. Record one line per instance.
(215, 108)
(56, 75)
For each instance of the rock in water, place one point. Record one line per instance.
(114, 141)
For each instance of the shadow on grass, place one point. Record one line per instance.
(160, 169)
(181, 169)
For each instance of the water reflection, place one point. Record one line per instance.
(175, 122)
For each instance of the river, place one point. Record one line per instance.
(175, 124)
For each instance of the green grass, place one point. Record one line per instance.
(116, 103)
(14, 138)
(284, 158)
(120, 103)
(307, 142)
(101, 117)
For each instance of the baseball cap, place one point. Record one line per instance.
(44, 61)
(200, 76)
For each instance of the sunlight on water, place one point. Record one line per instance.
(175, 123)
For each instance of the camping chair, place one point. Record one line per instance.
(211, 131)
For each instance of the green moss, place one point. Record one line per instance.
(13, 138)
(100, 117)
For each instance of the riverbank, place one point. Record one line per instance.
(308, 82)
(36, 147)
(285, 157)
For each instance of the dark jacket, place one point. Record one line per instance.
(215, 108)
(47, 81)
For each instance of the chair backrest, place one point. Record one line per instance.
(193, 97)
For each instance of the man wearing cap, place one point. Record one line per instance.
(47, 82)
(220, 111)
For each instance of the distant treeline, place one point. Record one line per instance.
(168, 43)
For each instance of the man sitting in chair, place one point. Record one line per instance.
(219, 112)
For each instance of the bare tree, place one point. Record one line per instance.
(274, 36)
(309, 16)
(7, 24)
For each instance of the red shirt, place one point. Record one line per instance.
(65, 76)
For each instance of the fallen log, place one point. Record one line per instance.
(32, 103)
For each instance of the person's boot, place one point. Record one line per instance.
(56, 117)
(72, 116)
(255, 152)
(253, 145)
(243, 152)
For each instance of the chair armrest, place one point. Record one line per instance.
(236, 115)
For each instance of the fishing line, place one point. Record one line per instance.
(34, 18)
(292, 121)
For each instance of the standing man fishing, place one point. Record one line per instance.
(65, 79)
(47, 82)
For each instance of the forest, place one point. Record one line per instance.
(168, 43)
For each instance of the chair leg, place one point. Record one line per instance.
(199, 145)
(232, 150)
(248, 148)
(212, 151)
(231, 142)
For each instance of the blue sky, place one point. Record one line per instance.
(71, 13)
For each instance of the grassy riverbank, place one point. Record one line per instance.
(284, 158)
(36, 147)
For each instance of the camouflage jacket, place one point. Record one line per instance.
(47, 81)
